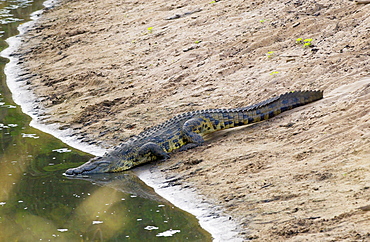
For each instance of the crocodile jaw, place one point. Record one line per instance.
(93, 166)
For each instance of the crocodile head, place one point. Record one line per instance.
(94, 165)
(122, 158)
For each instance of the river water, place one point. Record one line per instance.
(38, 203)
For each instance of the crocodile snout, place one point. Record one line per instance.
(72, 172)
(95, 165)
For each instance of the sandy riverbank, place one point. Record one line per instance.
(109, 72)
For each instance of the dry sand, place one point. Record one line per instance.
(108, 69)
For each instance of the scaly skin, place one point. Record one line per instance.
(187, 130)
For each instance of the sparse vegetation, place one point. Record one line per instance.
(305, 42)
(270, 54)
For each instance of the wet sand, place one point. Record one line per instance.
(108, 73)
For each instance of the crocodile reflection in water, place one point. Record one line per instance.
(126, 182)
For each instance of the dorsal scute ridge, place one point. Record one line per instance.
(259, 105)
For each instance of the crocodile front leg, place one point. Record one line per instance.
(190, 129)
(152, 149)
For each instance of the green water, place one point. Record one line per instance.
(38, 203)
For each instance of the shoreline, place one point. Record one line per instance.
(13, 72)
(108, 75)
(210, 217)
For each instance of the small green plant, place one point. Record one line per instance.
(150, 30)
(197, 41)
(270, 54)
(274, 73)
(305, 42)
(263, 20)
(212, 2)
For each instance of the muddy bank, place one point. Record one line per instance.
(108, 73)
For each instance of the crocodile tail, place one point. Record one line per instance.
(276, 105)
(218, 119)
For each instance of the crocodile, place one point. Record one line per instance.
(187, 130)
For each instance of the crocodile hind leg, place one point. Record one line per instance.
(152, 149)
(189, 130)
